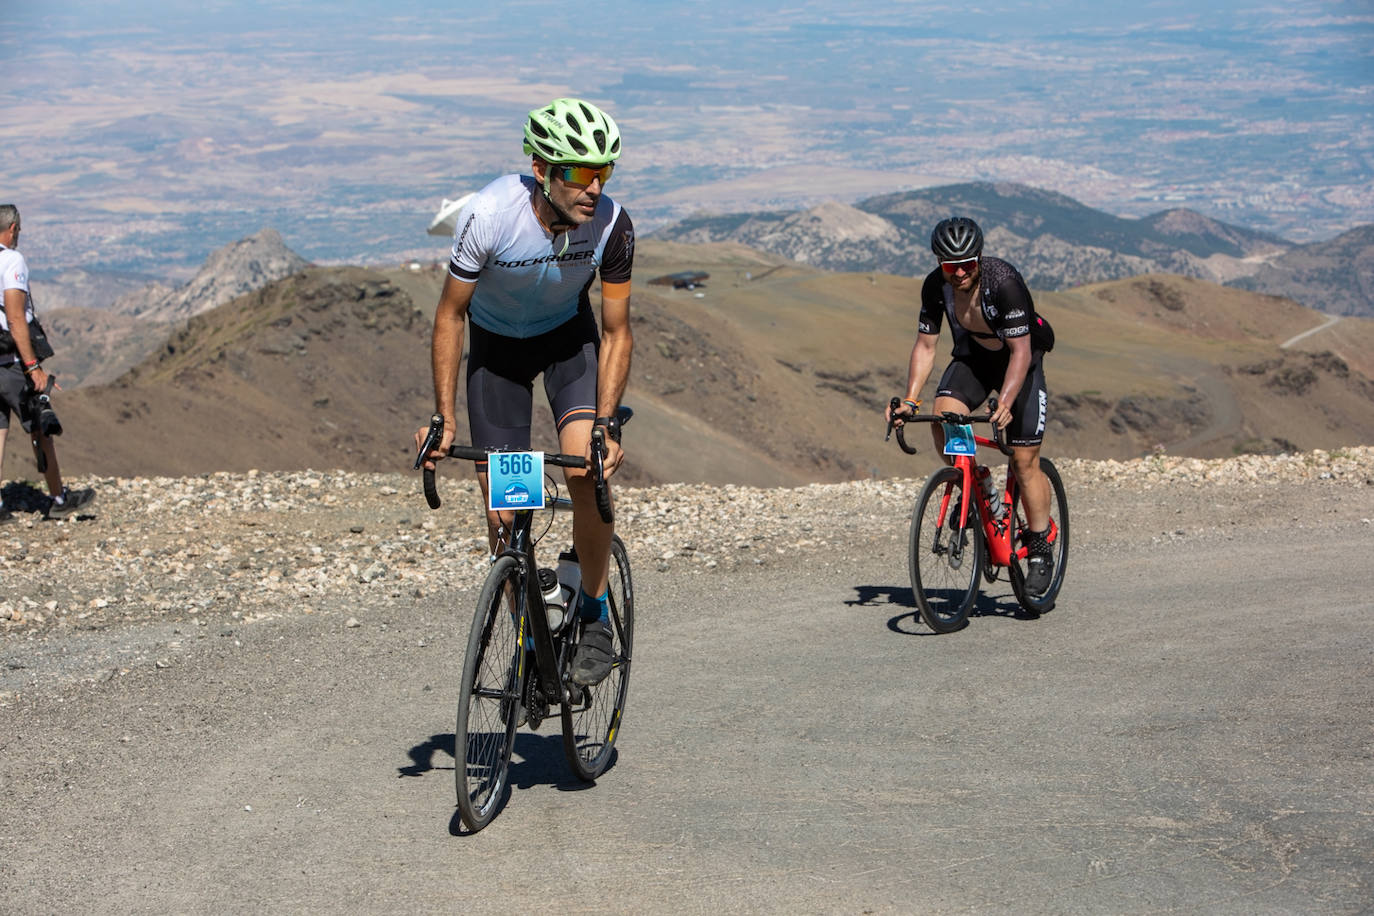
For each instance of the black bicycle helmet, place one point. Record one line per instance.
(956, 239)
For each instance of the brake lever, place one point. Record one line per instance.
(432, 439)
(892, 409)
(603, 493)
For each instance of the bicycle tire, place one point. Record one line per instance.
(1059, 514)
(489, 700)
(592, 717)
(945, 582)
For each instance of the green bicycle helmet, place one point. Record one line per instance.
(571, 130)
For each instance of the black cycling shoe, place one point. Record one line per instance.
(1039, 571)
(1040, 563)
(595, 652)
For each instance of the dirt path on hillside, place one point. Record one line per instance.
(1186, 731)
(1330, 320)
(1225, 414)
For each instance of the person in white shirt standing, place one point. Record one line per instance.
(22, 376)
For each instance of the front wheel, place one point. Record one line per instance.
(489, 700)
(1039, 603)
(945, 560)
(591, 717)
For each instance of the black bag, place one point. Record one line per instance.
(1042, 335)
(38, 338)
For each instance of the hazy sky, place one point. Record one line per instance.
(159, 130)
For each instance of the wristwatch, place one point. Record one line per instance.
(612, 425)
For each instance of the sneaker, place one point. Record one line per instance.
(592, 662)
(73, 501)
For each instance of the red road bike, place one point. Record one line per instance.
(959, 531)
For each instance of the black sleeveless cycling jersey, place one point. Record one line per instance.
(1003, 296)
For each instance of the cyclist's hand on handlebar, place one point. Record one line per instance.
(1001, 413)
(613, 456)
(906, 409)
(440, 451)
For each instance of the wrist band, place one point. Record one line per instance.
(911, 402)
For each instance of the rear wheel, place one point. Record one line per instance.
(945, 561)
(591, 721)
(1041, 602)
(489, 700)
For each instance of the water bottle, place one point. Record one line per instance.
(554, 605)
(989, 489)
(569, 579)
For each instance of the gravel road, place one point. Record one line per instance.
(235, 693)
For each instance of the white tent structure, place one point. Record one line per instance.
(446, 220)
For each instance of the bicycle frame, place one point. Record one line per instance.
(521, 546)
(520, 543)
(998, 534)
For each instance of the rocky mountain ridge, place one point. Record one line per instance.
(237, 268)
(1054, 240)
(773, 374)
(99, 333)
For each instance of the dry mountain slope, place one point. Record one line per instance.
(95, 345)
(1142, 362)
(316, 370)
(773, 374)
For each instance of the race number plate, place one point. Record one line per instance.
(959, 439)
(515, 480)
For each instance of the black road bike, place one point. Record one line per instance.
(520, 649)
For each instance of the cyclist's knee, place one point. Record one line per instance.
(1026, 461)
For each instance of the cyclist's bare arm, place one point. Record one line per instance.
(922, 361)
(613, 362)
(446, 355)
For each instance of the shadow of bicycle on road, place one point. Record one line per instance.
(909, 623)
(535, 760)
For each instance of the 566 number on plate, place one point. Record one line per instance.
(515, 480)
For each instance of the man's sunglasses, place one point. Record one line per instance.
(953, 267)
(583, 175)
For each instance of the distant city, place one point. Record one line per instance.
(141, 141)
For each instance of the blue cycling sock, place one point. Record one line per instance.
(590, 608)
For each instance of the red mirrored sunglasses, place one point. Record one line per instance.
(953, 267)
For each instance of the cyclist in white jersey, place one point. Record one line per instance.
(525, 253)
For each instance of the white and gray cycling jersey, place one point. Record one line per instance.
(530, 280)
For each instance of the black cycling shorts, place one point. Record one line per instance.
(501, 373)
(973, 377)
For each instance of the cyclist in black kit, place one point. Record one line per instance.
(999, 343)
